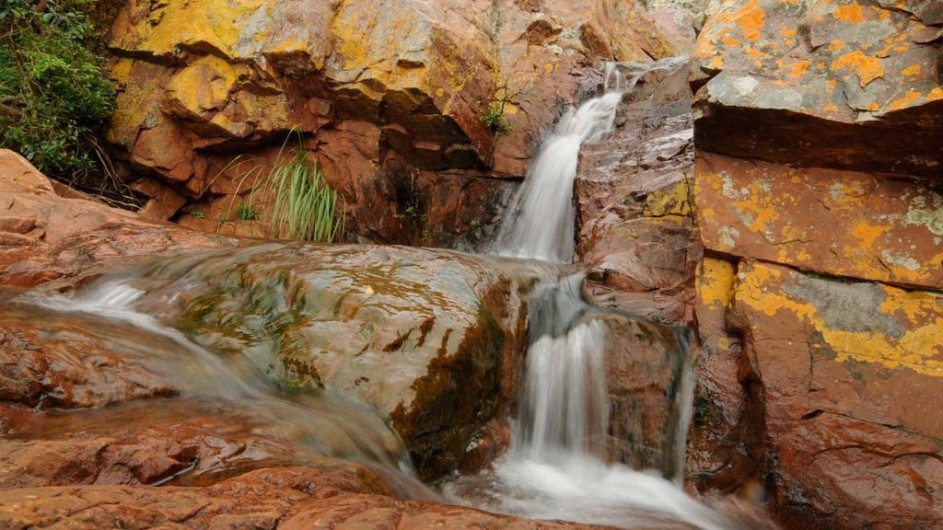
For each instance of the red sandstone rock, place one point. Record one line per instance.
(851, 379)
(847, 84)
(636, 227)
(366, 85)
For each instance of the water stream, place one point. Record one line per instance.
(277, 427)
(556, 467)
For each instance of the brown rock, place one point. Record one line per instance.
(849, 84)
(843, 223)
(44, 236)
(364, 86)
(424, 336)
(851, 379)
(644, 366)
(636, 228)
(724, 445)
(259, 499)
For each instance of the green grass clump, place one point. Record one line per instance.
(54, 93)
(246, 212)
(305, 207)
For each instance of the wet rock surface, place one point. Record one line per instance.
(795, 83)
(818, 304)
(109, 418)
(432, 339)
(633, 192)
(45, 236)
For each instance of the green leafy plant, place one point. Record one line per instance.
(305, 207)
(246, 212)
(494, 118)
(54, 94)
(198, 214)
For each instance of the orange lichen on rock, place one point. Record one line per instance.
(915, 317)
(751, 19)
(865, 67)
(850, 13)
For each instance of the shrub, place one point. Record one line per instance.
(494, 118)
(53, 91)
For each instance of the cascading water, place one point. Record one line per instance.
(556, 467)
(539, 222)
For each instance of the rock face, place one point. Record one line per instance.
(819, 304)
(45, 236)
(773, 75)
(388, 98)
(633, 196)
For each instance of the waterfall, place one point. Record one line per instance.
(540, 220)
(556, 466)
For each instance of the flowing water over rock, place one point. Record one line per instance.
(102, 351)
(539, 223)
(557, 466)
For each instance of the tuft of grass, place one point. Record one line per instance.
(305, 206)
(246, 212)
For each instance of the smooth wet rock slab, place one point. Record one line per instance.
(844, 223)
(432, 339)
(637, 232)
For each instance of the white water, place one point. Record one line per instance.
(556, 468)
(540, 221)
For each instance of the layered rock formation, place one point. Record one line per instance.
(389, 98)
(95, 410)
(818, 128)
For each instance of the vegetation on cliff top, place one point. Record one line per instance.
(54, 93)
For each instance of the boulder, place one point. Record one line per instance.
(432, 339)
(848, 84)
(851, 377)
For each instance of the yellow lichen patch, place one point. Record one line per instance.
(836, 45)
(788, 32)
(672, 200)
(799, 68)
(751, 19)
(919, 314)
(866, 68)
(715, 281)
(868, 233)
(850, 13)
(911, 70)
(182, 22)
(904, 101)
(121, 71)
(204, 85)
